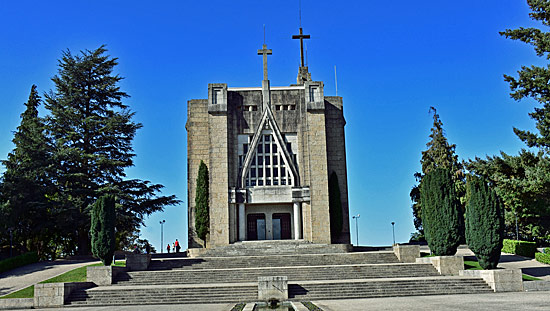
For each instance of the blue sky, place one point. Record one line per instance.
(394, 60)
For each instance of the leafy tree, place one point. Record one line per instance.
(522, 182)
(439, 154)
(532, 81)
(335, 206)
(484, 222)
(93, 131)
(26, 182)
(442, 218)
(202, 213)
(102, 229)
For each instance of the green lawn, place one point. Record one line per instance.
(23, 293)
(474, 265)
(75, 275)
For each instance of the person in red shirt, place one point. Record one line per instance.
(177, 246)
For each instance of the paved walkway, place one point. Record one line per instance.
(508, 261)
(22, 277)
(479, 302)
(532, 301)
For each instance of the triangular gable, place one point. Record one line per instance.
(268, 118)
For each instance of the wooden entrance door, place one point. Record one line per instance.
(254, 222)
(285, 224)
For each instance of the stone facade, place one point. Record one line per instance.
(269, 152)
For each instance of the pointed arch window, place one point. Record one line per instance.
(269, 166)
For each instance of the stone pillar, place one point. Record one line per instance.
(242, 222)
(297, 220)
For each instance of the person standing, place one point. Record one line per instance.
(168, 248)
(178, 247)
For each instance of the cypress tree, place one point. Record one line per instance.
(102, 229)
(484, 222)
(335, 206)
(26, 182)
(440, 153)
(202, 213)
(441, 216)
(93, 133)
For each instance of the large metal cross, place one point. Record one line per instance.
(301, 36)
(264, 51)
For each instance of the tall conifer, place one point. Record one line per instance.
(102, 228)
(202, 212)
(442, 217)
(439, 154)
(93, 132)
(484, 222)
(26, 182)
(335, 207)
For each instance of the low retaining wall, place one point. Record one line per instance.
(196, 252)
(535, 286)
(407, 253)
(103, 275)
(16, 303)
(55, 294)
(137, 262)
(445, 265)
(273, 288)
(500, 280)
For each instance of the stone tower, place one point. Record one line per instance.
(269, 152)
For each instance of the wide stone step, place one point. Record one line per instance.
(251, 248)
(297, 291)
(293, 274)
(387, 289)
(274, 261)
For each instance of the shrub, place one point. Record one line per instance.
(484, 222)
(18, 261)
(543, 257)
(441, 217)
(102, 229)
(335, 207)
(202, 213)
(522, 248)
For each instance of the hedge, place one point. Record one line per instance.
(543, 257)
(522, 248)
(18, 261)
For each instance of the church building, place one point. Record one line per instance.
(270, 152)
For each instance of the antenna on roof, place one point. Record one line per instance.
(300, 12)
(335, 80)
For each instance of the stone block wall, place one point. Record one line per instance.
(219, 179)
(55, 294)
(317, 143)
(197, 150)
(336, 156)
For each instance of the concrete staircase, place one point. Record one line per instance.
(328, 274)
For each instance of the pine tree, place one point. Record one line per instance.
(532, 81)
(93, 132)
(484, 222)
(26, 182)
(335, 207)
(102, 229)
(439, 154)
(441, 216)
(202, 213)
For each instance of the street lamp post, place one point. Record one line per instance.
(162, 236)
(11, 242)
(356, 229)
(393, 231)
